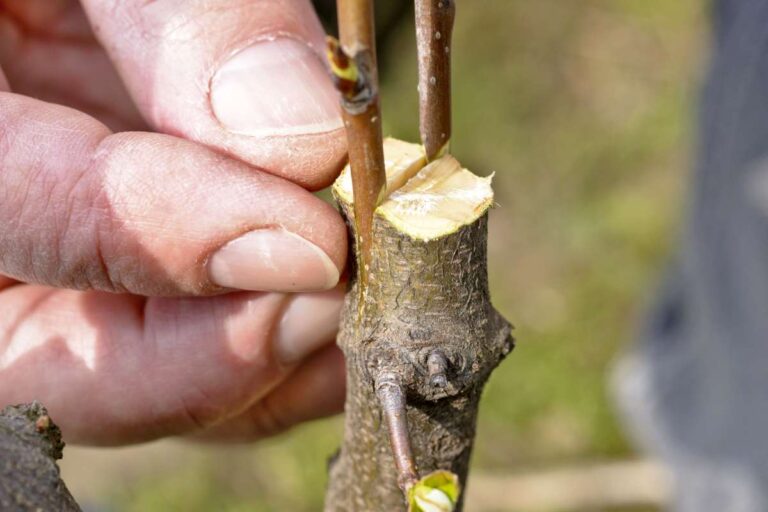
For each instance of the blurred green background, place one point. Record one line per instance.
(583, 109)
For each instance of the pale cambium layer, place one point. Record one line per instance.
(425, 201)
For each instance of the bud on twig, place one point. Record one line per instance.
(437, 492)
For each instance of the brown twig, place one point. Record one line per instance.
(354, 67)
(392, 401)
(434, 29)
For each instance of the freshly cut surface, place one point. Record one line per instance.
(441, 198)
(425, 202)
(401, 159)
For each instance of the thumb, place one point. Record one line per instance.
(243, 76)
(150, 214)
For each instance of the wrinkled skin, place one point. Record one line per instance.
(116, 176)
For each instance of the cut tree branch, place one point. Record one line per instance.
(353, 62)
(427, 341)
(434, 30)
(418, 331)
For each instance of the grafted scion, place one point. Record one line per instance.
(353, 61)
(434, 30)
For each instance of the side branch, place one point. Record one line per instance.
(392, 401)
(434, 30)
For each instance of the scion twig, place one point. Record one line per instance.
(434, 30)
(353, 62)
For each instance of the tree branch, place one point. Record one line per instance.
(392, 401)
(434, 30)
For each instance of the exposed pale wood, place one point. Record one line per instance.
(425, 201)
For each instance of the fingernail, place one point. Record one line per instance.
(272, 260)
(309, 321)
(275, 87)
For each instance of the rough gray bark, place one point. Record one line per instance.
(30, 444)
(423, 298)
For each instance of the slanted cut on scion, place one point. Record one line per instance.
(418, 330)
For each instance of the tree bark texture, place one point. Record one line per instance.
(30, 444)
(426, 301)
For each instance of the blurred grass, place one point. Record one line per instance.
(582, 109)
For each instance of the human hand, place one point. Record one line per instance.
(214, 200)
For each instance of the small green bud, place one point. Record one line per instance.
(436, 492)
